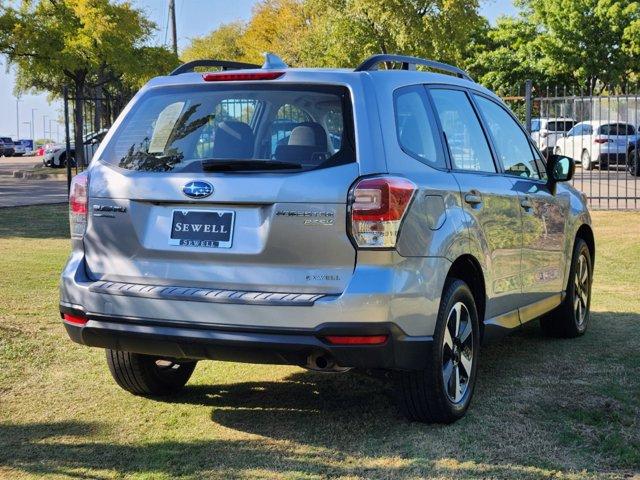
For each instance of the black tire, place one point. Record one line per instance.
(424, 395)
(566, 321)
(633, 162)
(63, 161)
(585, 159)
(146, 375)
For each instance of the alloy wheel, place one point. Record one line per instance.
(457, 353)
(581, 291)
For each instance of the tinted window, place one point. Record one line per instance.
(510, 141)
(617, 129)
(559, 126)
(414, 126)
(580, 129)
(467, 143)
(176, 128)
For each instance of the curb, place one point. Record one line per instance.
(35, 176)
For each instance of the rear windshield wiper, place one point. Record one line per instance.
(233, 165)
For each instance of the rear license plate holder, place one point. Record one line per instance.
(202, 228)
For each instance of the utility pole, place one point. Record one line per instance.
(44, 126)
(172, 19)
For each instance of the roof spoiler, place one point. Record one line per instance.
(224, 64)
(271, 61)
(409, 63)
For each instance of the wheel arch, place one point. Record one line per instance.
(585, 232)
(467, 268)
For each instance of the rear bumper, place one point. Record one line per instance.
(616, 158)
(400, 300)
(252, 345)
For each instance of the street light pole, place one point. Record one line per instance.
(44, 126)
(33, 129)
(17, 118)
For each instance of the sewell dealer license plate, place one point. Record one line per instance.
(202, 228)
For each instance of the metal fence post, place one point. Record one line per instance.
(65, 93)
(527, 104)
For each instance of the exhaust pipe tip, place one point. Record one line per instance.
(320, 362)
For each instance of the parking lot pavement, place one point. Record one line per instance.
(613, 188)
(19, 191)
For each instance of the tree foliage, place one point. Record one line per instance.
(87, 44)
(344, 32)
(591, 45)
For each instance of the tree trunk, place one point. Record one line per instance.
(78, 118)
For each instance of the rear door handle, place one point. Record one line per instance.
(473, 197)
(526, 203)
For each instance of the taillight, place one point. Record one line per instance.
(601, 140)
(232, 77)
(377, 206)
(78, 204)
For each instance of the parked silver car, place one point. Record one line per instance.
(405, 216)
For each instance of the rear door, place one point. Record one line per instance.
(490, 201)
(194, 190)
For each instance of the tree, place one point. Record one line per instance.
(343, 32)
(585, 44)
(276, 26)
(89, 44)
(223, 43)
(588, 40)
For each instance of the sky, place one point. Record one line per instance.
(193, 18)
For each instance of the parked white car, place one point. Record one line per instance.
(546, 132)
(55, 155)
(597, 142)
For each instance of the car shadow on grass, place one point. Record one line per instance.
(543, 408)
(36, 221)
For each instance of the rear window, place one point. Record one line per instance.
(560, 126)
(617, 129)
(180, 128)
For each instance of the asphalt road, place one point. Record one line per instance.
(20, 191)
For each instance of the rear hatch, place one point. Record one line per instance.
(235, 186)
(616, 137)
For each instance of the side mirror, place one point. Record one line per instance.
(560, 168)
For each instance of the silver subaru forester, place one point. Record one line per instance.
(377, 218)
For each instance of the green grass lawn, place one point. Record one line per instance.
(543, 407)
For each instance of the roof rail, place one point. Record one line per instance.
(224, 64)
(409, 63)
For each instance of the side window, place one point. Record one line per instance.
(510, 141)
(467, 142)
(415, 126)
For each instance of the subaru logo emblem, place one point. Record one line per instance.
(197, 189)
